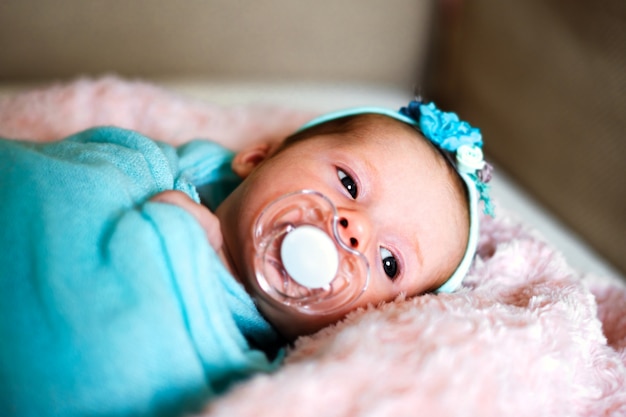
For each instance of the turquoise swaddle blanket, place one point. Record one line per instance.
(111, 304)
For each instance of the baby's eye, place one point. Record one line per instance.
(390, 264)
(348, 183)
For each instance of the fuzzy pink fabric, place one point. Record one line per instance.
(526, 336)
(56, 111)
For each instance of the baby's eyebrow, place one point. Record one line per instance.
(418, 249)
(369, 166)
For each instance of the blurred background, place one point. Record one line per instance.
(544, 79)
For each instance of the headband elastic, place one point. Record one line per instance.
(456, 137)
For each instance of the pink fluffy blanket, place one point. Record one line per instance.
(526, 336)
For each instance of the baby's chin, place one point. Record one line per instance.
(290, 322)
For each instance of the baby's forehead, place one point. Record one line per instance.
(382, 132)
(386, 142)
(405, 148)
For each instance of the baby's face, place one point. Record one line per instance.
(394, 191)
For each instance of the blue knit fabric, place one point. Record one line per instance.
(110, 304)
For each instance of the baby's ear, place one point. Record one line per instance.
(247, 160)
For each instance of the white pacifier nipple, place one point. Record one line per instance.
(309, 256)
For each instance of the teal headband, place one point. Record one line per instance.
(452, 136)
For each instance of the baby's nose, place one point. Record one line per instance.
(353, 229)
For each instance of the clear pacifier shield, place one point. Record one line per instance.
(300, 259)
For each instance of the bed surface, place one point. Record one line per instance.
(535, 332)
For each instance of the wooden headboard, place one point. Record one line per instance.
(546, 82)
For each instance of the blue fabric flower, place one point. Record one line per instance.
(483, 192)
(446, 130)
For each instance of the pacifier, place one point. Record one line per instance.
(301, 261)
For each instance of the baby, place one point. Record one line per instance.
(400, 201)
(112, 300)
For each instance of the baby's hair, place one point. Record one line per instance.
(336, 126)
(360, 124)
